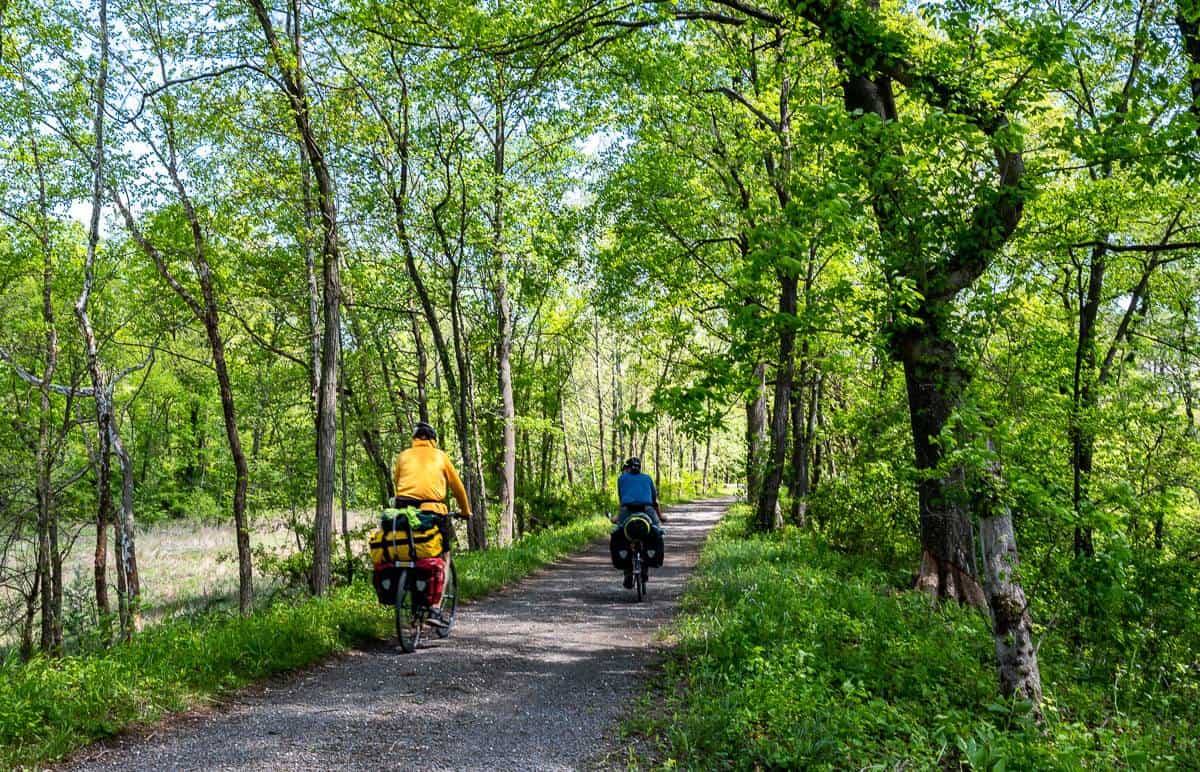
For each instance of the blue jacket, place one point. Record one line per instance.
(636, 489)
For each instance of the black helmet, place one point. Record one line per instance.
(423, 431)
(634, 465)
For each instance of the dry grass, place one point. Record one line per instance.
(183, 566)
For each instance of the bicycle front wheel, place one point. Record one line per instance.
(410, 618)
(449, 600)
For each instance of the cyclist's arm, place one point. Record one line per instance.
(456, 487)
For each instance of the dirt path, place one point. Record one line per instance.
(534, 677)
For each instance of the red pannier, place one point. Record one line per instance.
(435, 570)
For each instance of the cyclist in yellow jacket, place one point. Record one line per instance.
(422, 473)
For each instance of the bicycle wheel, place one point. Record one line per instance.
(410, 617)
(639, 582)
(449, 600)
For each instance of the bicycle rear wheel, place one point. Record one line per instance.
(410, 617)
(639, 582)
(449, 600)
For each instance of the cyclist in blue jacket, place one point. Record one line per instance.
(636, 493)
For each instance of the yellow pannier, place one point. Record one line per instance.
(390, 542)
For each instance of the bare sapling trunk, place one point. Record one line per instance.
(422, 367)
(124, 551)
(477, 533)
(599, 400)
(707, 455)
(99, 383)
(508, 471)
(290, 65)
(568, 466)
(349, 550)
(314, 287)
(366, 412)
(615, 445)
(768, 516)
(48, 579)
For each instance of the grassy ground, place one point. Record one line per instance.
(794, 656)
(49, 708)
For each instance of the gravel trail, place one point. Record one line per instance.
(535, 677)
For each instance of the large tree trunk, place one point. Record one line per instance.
(935, 383)
(1083, 402)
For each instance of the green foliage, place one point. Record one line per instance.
(561, 505)
(792, 655)
(688, 487)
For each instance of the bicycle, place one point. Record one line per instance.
(636, 529)
(413, 611)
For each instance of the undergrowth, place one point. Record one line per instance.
(51, 707)
(792, 655)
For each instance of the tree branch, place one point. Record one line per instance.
(736, 97)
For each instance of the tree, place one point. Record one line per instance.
(290, 65)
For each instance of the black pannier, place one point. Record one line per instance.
(385, 580)
(652, 544)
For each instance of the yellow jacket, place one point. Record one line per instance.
(422, 473)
